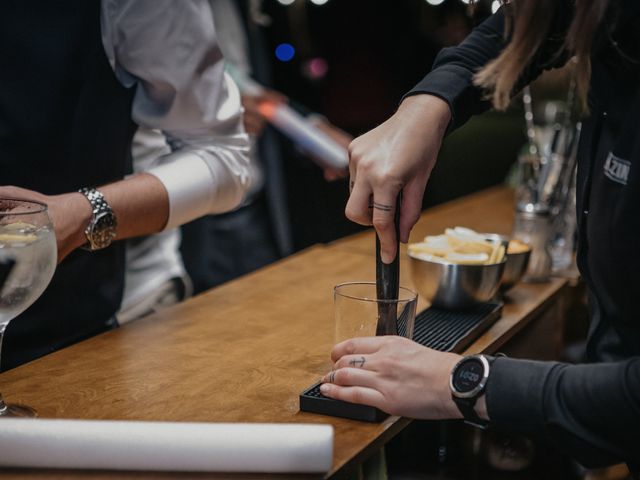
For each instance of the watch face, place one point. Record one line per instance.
(104, 230)
(468, 375)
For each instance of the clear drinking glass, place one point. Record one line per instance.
(534, 229)
(26, 237)
(357, 310)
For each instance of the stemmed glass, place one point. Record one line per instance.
(28, 239)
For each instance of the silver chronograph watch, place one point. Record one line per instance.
(101, 229)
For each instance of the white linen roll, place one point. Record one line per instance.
(166, 446)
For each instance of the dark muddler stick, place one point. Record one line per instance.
(388, 282)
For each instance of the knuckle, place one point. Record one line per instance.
(357, 396)
(382, 177)
(350, 347)
(381, 224)
(384, 364)
(379, 178)
(354, 214)
(353, 149)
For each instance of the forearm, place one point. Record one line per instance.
(140, 204)
(451, 77)
(453, 72)
(592, 411)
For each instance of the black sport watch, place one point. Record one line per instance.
(468, 381)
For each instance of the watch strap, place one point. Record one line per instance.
(467, 408)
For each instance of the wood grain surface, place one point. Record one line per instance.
(244, 351)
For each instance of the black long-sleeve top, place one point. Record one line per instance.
(592, 410)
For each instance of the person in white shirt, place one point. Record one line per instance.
(168, 71)
(218, 248)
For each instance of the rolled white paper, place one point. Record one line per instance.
(295, 126)
(166, 446)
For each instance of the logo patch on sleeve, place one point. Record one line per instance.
(617, 169)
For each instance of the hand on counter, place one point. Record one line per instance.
(396, 156)
(393, 374)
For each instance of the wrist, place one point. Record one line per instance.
(80, 211)
(70, 214)
(449, 407)
(481, 408)
(427, 108)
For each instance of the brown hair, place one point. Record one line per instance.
(528, 24)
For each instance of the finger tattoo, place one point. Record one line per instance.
(357, 362)
(382, 207)
(332, 376)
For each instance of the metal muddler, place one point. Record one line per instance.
(388, 283)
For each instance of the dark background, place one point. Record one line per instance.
(377, 50)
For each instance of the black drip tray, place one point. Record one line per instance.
(444, 330)
(311, 400)
(454, 330)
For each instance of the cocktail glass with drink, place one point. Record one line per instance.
(27, 238)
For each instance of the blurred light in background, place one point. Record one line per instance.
(285, 52)
(435, 2)
(316, 68)
(466, 2)
(319, 2)
(286, 2)
(495, 5)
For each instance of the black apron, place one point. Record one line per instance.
(65, 123)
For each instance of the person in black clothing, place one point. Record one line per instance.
(592, 410)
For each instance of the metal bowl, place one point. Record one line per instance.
(455, 286)
(515, 269)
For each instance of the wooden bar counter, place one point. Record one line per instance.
(244, 351)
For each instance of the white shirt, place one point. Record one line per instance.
(169, 51)
(233, 41)
(152, 260)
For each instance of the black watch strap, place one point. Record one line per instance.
(467, 408)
